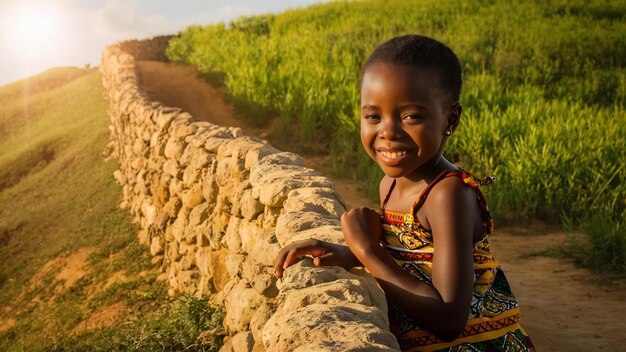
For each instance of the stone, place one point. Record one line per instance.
(241, 342)
(270, 216)
(165, 179)
(346, 346)
(239, 147)
(169, 234)
(328, 233)
(160, 195)
(218, 272)
(263, 174)
(138, 163)
(174, 148)
(139, 147)
(187, 155)
(290, 223)
(203, 261)
(161, 221)
(165, 116)
(321, 200)
(157, 261)
(156, 246)
(240, 305)
(250, 232)
(235, 131)
(146, 136)
(154, 164)
(199, 214)
(237, 170)
(260, 317)
(200, 159)
(190, 176)
(119, 176)
(276, 192)
(149, 212)
(193, 196)
(265, 249)
(234, 264)
(223, 175)
(170, 167)
(188, 261)
(183, 125)
(180, 224)
(143, 237)
(203, 233)
(173, 206)
(254, 155)
(227, 344)
(209, 189)
(336, 326)
(218, 229)
(186, 280)
(213, 337)
(199, 138)
(232, 239)
(285, 158)
(260, 277)
(250, 207)
(213, 144)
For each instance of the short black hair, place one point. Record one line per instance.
(421, 51)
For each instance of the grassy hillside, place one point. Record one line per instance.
(72, 274)
(544, 96)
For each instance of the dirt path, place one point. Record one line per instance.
(563, 307)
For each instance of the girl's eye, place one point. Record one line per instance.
(372, 117)
(410, 117)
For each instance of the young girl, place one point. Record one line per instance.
(428, 247)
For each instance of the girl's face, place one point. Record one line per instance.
(404, 116)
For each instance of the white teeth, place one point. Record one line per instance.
(393, 155)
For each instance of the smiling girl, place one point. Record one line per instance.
(428, 247)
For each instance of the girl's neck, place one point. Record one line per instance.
(421, 177)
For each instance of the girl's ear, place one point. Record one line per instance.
(454, 117)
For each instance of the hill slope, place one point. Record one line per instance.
(71, 270)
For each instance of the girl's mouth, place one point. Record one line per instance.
(392, 157)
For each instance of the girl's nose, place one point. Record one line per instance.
(390, 129)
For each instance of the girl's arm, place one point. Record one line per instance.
(442, 309)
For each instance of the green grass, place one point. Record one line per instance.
(544, 95)
(57, 195)
(176, 329)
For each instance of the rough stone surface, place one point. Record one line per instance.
(214, 208)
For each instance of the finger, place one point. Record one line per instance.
(293, 251)
(293, 254)
(280, 259)
(327, 259)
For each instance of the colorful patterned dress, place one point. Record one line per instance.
(493, 323)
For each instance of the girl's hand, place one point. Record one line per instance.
(361, 229)
(323, 253)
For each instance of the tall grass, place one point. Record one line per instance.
(544, 93)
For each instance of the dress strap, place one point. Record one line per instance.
(393, 184)
(471, 181)
(382, 208)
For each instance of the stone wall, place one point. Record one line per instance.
(216, 206)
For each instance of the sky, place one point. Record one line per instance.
(36, 35)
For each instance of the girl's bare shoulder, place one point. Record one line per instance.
(453, 197)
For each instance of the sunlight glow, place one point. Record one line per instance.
(32, 32)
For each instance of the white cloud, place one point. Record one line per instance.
(118, 19)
